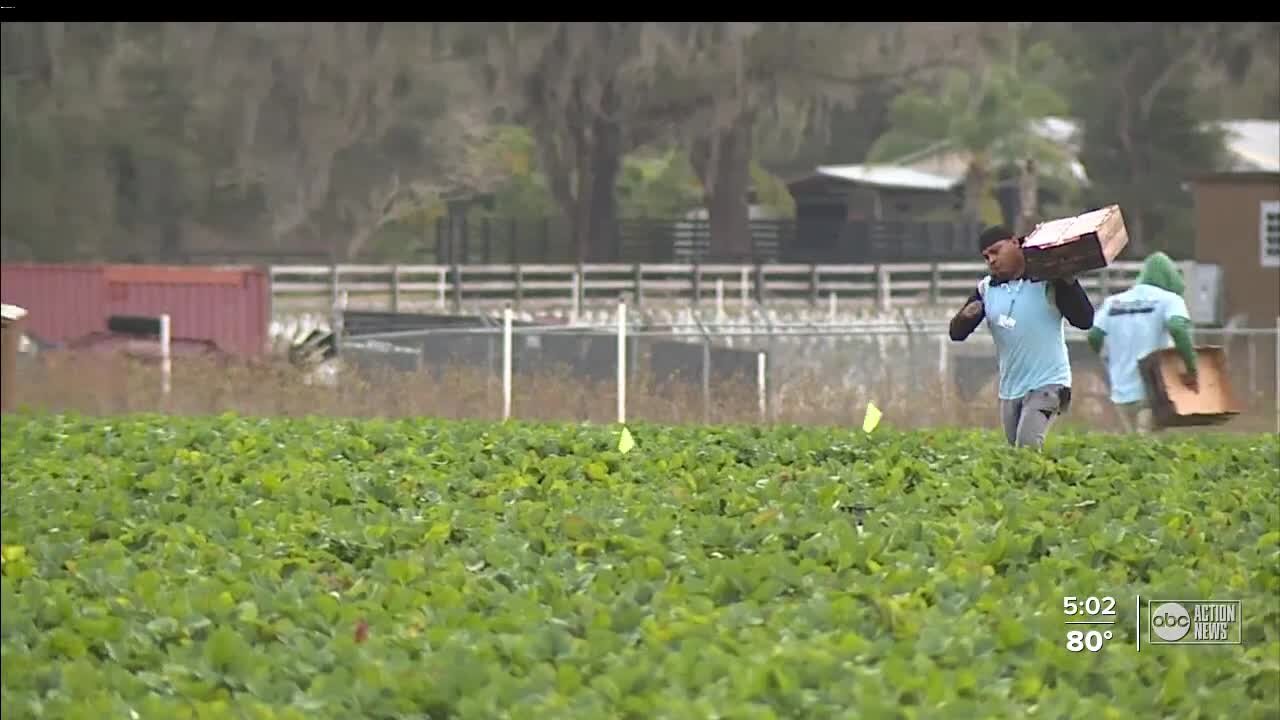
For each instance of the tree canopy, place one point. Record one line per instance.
(168, 141)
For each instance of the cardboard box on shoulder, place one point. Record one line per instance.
(1075, 245)
(1173, 404)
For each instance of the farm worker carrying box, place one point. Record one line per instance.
(1148, 316)
(1025, 317)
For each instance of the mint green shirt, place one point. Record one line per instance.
(1029, 333)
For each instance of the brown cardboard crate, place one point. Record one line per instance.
(1173, 404)
(1075, 245)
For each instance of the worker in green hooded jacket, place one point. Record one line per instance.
(1149, 316)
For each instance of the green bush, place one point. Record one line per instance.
(227, 567)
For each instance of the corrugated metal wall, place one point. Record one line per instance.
(63, 302)
(229, 305)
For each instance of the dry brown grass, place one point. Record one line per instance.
(109, 385)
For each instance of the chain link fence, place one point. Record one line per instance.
(736, 370)
(758, 372)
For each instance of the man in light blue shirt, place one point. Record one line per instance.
(1025, 317)
(1147, 317)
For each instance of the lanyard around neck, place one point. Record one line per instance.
(1016, 292)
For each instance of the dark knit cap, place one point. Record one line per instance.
(993, 235)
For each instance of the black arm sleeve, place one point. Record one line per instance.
(1074, 304)
(961, 326)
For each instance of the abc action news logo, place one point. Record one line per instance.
(1195, 622)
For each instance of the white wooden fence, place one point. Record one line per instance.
(445, 287)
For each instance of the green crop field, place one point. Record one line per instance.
(229, 567)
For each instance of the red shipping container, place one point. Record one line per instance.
(230, 306)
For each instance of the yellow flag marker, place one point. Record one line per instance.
(626, 442)
(872, 419)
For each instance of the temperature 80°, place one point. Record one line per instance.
(1091, 640)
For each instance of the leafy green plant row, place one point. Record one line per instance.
(226, 567)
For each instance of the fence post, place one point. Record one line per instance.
(519, 286)
(457, 288)
(696, 280)
(486, 240)
(943, 369)
(706, 379)
(706, 370)
(745, 288)
(575, 305)
(334, 284)
(935, 284)
(506, 363)
(813, 285)
(622, 361)
(395, 288)
(166, 357)
(831, 310)
(489, 370)
(338, 321)
(513, 246)
(771, 388)
(637, 279)
(719, 301)
(883, 293)
(761, 395)
(1253, 368)
(440, 284)
(441, 249)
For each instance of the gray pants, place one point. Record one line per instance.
(1135, 417)
(1027, 419)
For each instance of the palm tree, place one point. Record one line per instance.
(989, 115)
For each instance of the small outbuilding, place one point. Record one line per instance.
(877, 213)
